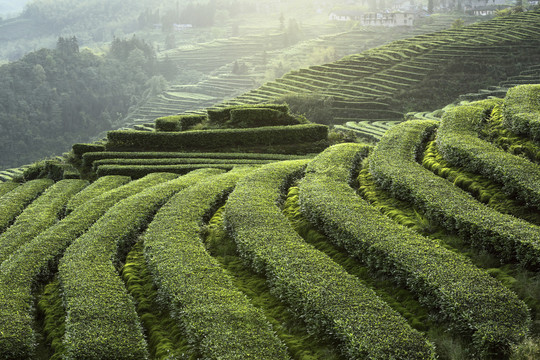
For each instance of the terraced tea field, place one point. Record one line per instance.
(262, 54)
(415, 74)
(422, 247)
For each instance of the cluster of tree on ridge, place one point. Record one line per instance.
(52, 98)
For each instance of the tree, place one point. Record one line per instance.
(430, 6)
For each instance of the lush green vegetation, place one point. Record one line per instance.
(53, 98)
(423, 246)
(339, 305)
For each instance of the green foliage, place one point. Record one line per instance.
(178, 122)
(301, 343)
(314, 286)
(51, 308)
(460, 145)
(81, 149)
(100, 186)
(522, 111)
(510, 238)
(495, 132)
(38, 259)
(60, 96)
(180, 161)
(39, 215)
(14, 202)
(399, 299)
(484, 190)
(138, 171)
(164, 335)
(476, 304)
(258, 117)
(6, 187)
(101, 319)
(89, 158)
(218, 319)
(222, 117)
(216, 139)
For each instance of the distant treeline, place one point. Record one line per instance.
(52, 98)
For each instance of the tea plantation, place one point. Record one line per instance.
(243, 233)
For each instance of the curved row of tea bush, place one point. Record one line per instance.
(6, 187)
(95, 189)
(101, 319)
(522, 110)
(14, 202)
(218, 319)
(138, 171)
(466, 296)
(460, 145)
(176, 161)
(38, 259)
(39, 215)
(497, 133)
(216, 139)
(329, 299)
(90, 157)
(510, 238)
(483, 189)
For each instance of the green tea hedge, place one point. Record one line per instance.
(475, 303)
(522, 110)
(331, 301)
(38, 259)
(219, 320)
(39, 215)
(89, 158)
(14, 202)
(95, 189)
(138, 171)
(6, 187)
(222, 116)
(178, 122)
(215, 139)
(512, 239)
(460, 145)
(101, 320)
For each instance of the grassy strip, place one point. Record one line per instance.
(7, 186)
(215, 139)
(522, 111)
(466, 296)
(301, 343)
(331, 301)
(510, 238)
(101, 319)
(179, 161)
(460, 145)
(14, 202)
(51, 308)
(95, 189)
(218, 319)
(138, 171)
(89, 158)
(38, 259)
(164, 336)
(484, 190)
(38, 216)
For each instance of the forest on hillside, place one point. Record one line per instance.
(52, 98)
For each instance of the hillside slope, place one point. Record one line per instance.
(433, 233)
